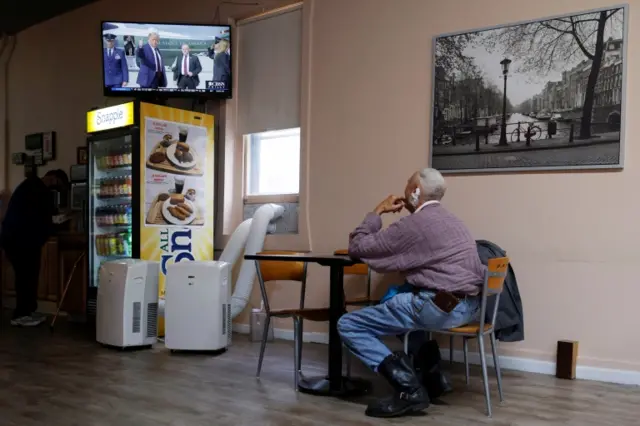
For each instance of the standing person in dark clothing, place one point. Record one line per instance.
(221, 61)
(26, 227)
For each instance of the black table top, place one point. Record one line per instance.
(327, 259)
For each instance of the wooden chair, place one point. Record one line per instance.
(274, 270)
(362, 270)
(495, 275)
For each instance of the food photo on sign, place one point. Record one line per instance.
(174, 174)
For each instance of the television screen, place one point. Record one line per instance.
(166, 59)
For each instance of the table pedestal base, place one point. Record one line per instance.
(350, 387)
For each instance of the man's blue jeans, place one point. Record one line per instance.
(361, 330)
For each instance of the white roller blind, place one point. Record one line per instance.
(269, 63)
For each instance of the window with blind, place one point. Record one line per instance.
(269, 85)
(268, 110)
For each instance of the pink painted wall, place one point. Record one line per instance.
(572, 237)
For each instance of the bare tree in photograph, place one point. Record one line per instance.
(450, 53)
(543, 46)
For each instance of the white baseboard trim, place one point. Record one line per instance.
(285, 334)
(599, 374)
(609, 375)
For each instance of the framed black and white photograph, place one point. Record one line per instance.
(547, 94)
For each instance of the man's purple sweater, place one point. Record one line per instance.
(432, 247)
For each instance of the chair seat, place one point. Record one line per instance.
(469, 328)
(358, 301)
(310, 314)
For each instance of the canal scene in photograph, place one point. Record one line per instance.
(546, 94)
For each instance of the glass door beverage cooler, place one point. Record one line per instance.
(150, 188)
(112, 201)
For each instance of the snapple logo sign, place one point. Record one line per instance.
(176, 246)
(109, 118)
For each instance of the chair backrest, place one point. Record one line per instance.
(494, 277)
(279, 270)
(496, 273)
(360, 269)
(357, 269)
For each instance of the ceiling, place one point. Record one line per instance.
(18, 15)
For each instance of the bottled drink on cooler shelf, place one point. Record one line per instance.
(114, 244)
(104, 188)
(120, 186)
(121, 216)
(114, 215)
(115, 159)
(100, 245)
(119, 244)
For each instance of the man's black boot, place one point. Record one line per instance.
(409, 396)
(427, 364)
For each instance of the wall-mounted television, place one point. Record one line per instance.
(157, 59)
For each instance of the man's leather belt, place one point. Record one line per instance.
(462, 295)
(447, 301)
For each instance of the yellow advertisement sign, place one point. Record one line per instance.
(176, 186)
(109, 118)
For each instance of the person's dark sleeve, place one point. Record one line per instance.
(44, 214)
(125, 68)
(227, 64)
(143, 59)
(38, 211)
(29, 217)
(198, 66)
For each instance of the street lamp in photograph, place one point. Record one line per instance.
(503, 130)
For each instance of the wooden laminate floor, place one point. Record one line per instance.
(66, 379)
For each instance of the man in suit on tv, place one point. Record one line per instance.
(221, 60)
(152, 74)
(116, 70)
(186, 69)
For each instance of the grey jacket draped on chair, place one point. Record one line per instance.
(510, 320)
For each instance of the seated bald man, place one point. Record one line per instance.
(443, 273)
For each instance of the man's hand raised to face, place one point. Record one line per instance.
(391, 204)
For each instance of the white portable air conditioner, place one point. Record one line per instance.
(127, 304)
(197, 310)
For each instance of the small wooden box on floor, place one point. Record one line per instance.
(566, 359)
